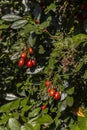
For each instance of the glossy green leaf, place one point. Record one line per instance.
(37, 127)
(28, 28)
(45, 119)
(62, 106)
(4, 119)
(51, 7)
(79, 66)
(35, 112)
(44, 24)
(41, 49)
(69, 101)
(14, 124)
(85, 75)
(82, 123)
(70, 91)
(78, 39)
(74, 127)
(11, 17)
(4, 26)
(27, 126)
(19, 24)
(6, 107)
(15, 104)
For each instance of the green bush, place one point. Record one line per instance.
(43, 65)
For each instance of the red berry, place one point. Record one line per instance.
(31, 51)
(84, 6)
(24, 55)
(24, 48)
(57, 96)
(21, 62)
(48, 83)
(34, 62)
(43, 7)
(44, 107)
(48, 89)
(52, 92)
(37, 21)
(44, 29)
(29, 63)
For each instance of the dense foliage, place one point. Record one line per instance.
(43, 65)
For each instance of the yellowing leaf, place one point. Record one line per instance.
(77, 111)
(80, 112)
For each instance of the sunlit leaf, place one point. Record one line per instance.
(19, 24)
(11, 17)
(14, 124)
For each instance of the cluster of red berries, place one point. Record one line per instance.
(24, 60)
(52, 92)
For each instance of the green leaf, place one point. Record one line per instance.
(85, 75)
(45, 119)
(28, 28)
(85, 25)
(68, 41)
(78, 39)
(26, 108)
(41, 49)
(32, 39)
(27, 126)
(4, 119)
(15, 104)
(4, 26)
(37, 127)
(11, 17)
(57, 121)
(79, 66)
(1, 22)
(69, 101)
(51, 7)
(2, 128)
(6, 107)
(34, 113)
(70, 91)
(74, 127)
(44, 24)
(82, 123)
(14, 124)
(62, 106)
(52, 63)
(19, 24)
(24, 102)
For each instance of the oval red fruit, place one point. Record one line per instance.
(24, 55)
(31, 51)
(48, 89)
(57, 96)
(48, 83)
(29, 63)
(21, 62)
(44, 107)
(37, 21)
(52, 92)
(43, 7)
(34, 62)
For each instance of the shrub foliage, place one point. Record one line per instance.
(43, 65)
